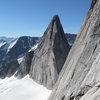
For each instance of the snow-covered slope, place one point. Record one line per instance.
(2, 43)
(34, 47)
(14, 50)
(22, 89)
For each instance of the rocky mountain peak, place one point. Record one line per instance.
(55, 17)
(53, 33)
(55, 26)
(50, 54)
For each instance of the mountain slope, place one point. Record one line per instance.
(22, 46)
(17, 47)
(81, 71)
(50, 55)
(14, 50)
(24, 67)
(22, 89)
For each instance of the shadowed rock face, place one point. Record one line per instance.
(81, 71)
(16, 49)
(9, 69)
(25, 65)
(11, 51)
(22, 46)
(50, 55)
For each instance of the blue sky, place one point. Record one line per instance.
(31, 17)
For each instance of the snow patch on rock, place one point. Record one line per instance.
(2, 43)
(11, 45)
(33, 48)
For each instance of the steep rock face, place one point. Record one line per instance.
(50, 55)
(9, 69)
(81, 71)
(25, 65)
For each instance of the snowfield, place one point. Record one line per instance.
(22, 89)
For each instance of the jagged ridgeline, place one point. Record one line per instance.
(12, 51)
(80, 76)
(50, 55)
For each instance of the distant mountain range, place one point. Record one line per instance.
(70, 38)
(14, 49)
(6, 39)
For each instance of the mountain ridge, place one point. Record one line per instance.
(80, 74)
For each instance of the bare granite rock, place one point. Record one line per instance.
(25, 65)
(9, 69)
(50, 55)
(81, 71)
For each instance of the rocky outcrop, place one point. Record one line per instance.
(9, 69)
(50, 55)
(81, 71)
(93, 93)
(25, 65)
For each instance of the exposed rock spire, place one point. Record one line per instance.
(50, 55)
